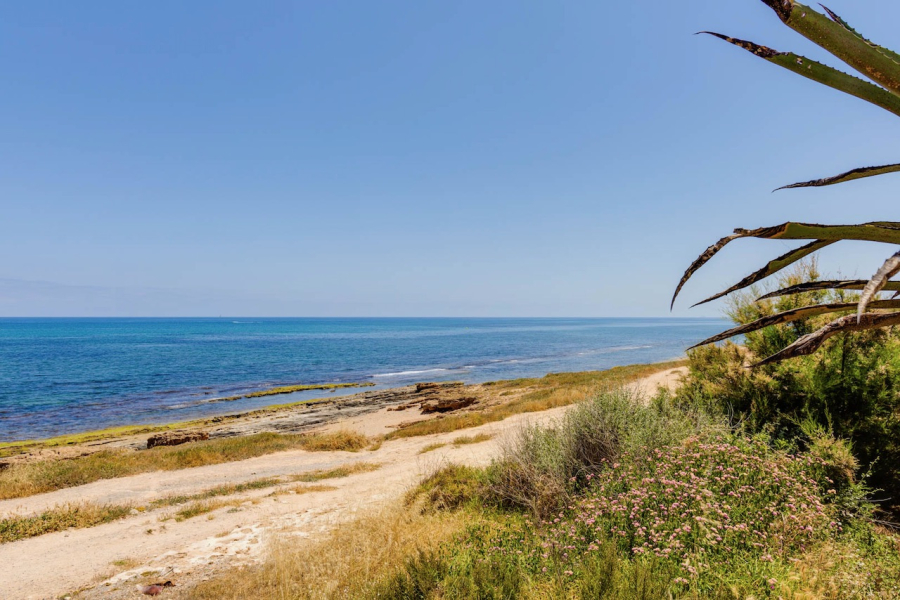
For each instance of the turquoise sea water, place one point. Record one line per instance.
(68, 375)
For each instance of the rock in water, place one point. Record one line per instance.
(175, 438)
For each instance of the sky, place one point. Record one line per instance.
(358, 158)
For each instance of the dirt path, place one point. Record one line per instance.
(110, 560)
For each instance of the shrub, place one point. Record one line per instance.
(541, 467)
(851, 387)
(698, 518)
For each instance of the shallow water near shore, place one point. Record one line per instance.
(62, 376)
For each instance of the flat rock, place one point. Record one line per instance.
(448, 404)
(432, 385)
(175, 438)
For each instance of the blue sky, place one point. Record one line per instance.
(412, 158)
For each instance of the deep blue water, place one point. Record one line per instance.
(68, 375)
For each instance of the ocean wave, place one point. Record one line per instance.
(405, 373)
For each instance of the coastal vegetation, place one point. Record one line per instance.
(621, 499)
(543, 393)
(29, 478)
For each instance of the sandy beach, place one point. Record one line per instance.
(110, 560)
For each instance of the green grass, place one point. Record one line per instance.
(60, 519)
(27, 479)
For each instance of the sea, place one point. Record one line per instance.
(62, 375)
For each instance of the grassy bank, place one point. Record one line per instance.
(27, 479)
(551, 391)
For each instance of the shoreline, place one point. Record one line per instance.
(302, 416)
(250, 498)
(107, 373)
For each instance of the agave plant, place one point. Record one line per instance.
(882, 67)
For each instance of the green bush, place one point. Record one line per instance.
(850, 388)
(542, 467)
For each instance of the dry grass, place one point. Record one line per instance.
(346, 471)
(203, 507)
(347, 563)
(472, 439)
(27, 479)
(550, 391)
(837, 569)
(344, 440)
(431, 447)
(304, 489)
(60, 519)
(218, 491)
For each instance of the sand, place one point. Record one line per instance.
(108, 561)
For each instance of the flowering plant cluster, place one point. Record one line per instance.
(695, 507)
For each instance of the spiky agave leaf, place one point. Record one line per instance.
(887, 52)
(890, 268)
(794, 314)
(835, 36)
(820, 73)
(859, 173)
(812, 286)
(882, 231)
(774, 266)
(813, 341)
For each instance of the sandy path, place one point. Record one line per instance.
(51, 565)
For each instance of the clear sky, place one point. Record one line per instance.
(360, 158)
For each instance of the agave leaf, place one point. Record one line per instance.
(859, 173)
(794, 314)
(887, 52)
(773, 267)
(890, 268)
(878, 64)
(702, 260)
(811, 286)
(821, 73)
(879, 231)
(888, 232)
(811, 342)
